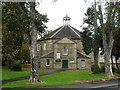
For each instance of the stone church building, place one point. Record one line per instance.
(63, 49)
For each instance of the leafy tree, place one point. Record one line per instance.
(22, 19)
(87, 41)
(36, 25)
(91, 35)
(116, 34)
(25, 53)
(116, 45)
(107, 29)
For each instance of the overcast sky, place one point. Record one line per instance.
(57, 10)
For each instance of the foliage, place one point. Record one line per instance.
(86, 34)
(116, 45)
(117, 70)
(103, 69)
(113, 69)
(107, 28)
(96, 69)
(87, 41)
(25, 53)
(16, 65)
(16, 27)
(90, 37)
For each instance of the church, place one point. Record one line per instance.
(63, 49)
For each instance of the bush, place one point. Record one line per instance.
(117, 70)
(103, 69)
(113, 69)
(16, 65)
(96, 69)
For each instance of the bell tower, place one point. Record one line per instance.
(66, 20)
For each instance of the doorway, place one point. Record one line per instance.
(64, 63)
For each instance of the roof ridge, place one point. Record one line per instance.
(74, 31)
(47, 54)
(57, 32)
(83, 54)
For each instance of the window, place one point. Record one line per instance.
(48, 62)
(58, 55)
(44, 46)
(65, 50)
(38, 47)
(82, 63)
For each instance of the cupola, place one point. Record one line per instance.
(66, 20)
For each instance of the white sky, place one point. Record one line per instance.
(57, 10)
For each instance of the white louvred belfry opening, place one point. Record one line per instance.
(66, 20)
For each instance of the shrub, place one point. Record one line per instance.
(103, 69)
(16, 65)
(117, 70)
(113, 69)
(96, 69)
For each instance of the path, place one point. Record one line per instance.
(23, 78)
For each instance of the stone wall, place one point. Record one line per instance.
(57, 46)
(87, 64)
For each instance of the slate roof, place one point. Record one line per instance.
(81, 55)
(65, 31)
(51, 55)
(48, 55)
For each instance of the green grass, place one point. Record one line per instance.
(8, 74)
(61, 78)
(118, 75)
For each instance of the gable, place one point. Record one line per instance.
(65, 40)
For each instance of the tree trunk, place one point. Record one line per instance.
(108, 68)
(112, 61)
(33, 50)
(96, 52)
(96, 47)
(116, 58)
(107, 44)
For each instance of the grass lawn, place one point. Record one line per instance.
(61, 78)
(8, 74)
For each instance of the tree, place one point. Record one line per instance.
(87, 41)
(91, 35)
(107, 34)
(36, 24)
(25, 53)
(116, 35)
(33, 48)
(11, 30)
(116, 45)
(23, 18)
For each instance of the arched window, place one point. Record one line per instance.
(65, 50)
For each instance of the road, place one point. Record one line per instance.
(92, 85)
(101, 85)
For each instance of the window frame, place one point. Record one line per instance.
(65, 50)
(44, 46)
(58, 55)
(48, 62)
(38, 47)
(83, 63)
